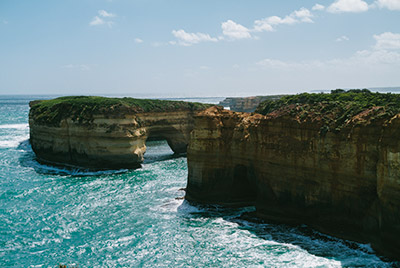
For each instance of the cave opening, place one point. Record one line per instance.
(163, 144)
(175, 138)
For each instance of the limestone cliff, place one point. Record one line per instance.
(102, 133)
(246, 104)
(304, 163)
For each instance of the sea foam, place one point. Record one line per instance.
(14, 126)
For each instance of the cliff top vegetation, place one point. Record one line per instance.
(82, 108)
(336, 109)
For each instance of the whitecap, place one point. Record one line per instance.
(168, 206)
(13, 135)
(14, 126)
(69, 170)
(12, 141)
(187, 208)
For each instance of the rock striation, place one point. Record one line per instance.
(305, 162)
(106, 133)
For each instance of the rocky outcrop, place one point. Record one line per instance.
(294, 169)
(246, 104)
(103, 135)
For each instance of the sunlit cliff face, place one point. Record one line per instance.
(107, 133)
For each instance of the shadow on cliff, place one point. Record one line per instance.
(29, 160)
(284, 237)
(157, 151)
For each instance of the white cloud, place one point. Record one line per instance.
(82, 67)
(264, 25)
(298, 16)
(387, 40)
(138, 40)
(103, 18)
(234, 30)
(302, 15)
(389, 4)
(97, 21)
(342, 38)
(105, 14)
(318, 7)
(5, 22)
(188, 39)
(340, 6)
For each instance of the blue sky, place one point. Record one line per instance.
(177, 48)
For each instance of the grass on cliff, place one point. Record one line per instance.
(82, 108)
(336, 109)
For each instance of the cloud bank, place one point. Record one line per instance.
(232, 30)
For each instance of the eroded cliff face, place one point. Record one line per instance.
(344, 182)
(246, 104)
(109, 138)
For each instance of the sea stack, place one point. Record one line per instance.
(106, 133)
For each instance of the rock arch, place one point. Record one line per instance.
(108, 141)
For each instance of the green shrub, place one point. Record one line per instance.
(82, 108)
(334, 109)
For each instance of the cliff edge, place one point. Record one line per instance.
(246, 104)
(106, 133)
(331, 161)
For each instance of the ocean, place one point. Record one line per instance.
(137, 218)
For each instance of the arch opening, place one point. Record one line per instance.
(176, 139)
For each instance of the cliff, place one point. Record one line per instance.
(329, 161)
(246, 104)
(104, 133)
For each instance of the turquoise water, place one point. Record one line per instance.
(135, 218)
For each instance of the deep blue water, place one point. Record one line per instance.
(134, 218)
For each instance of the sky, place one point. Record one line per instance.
(182, 48)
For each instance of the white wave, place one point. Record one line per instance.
(14, 126)
(80, 172)
(73, 171)
(223, 222)
(12, 141)
(186, 208)
(168, 206)
(14, 135)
